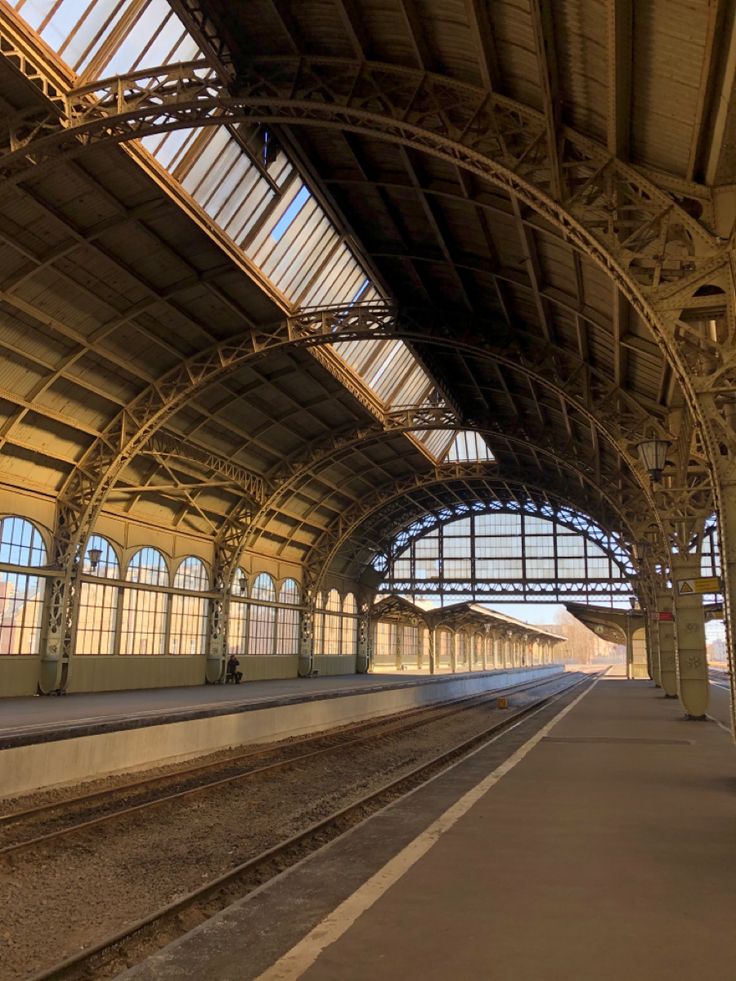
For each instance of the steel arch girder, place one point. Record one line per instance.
(502, 137)
(87, 486)
(324, 551)
(641, 234)
(567, 456)
(438, 519)
(626, 514)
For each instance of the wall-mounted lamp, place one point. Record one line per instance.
(242, 585)
(653, 454)
(94, 555)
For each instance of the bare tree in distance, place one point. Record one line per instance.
(583, 646)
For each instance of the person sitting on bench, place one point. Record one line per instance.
(233, 676)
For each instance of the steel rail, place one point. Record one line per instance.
(82, 961)
(463, 704)
(179, 774)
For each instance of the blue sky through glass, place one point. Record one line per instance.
(282, 225)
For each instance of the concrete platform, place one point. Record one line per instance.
(602, 846)
(46, 741)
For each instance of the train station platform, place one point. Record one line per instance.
(598, 842)
(85, 736)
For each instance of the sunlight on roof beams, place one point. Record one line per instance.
(244, 182)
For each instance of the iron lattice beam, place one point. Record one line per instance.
(567, 455)
(528, 589)
(650, 244)
(345, 528)
(494, 136)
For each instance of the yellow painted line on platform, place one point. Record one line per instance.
(302, 956)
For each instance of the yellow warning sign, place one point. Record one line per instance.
(708, 584)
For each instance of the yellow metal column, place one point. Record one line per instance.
(692, 664)
(431, 647)
(453, 651)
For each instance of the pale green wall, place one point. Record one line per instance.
(18, 675)
(328, 664)
(262, 668)
(117, 673)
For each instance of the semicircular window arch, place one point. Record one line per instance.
(21, 593)
(514, 552)
(98, 599)
(145, 604)
(189, 611)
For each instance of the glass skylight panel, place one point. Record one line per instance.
(265, 208)
(435, 441)
(298, 202)
(468, 447)
(277, 222)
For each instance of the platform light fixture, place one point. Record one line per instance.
(653, 455)
(94, 555)
(242, 584)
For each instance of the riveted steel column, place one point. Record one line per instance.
(629, 650)
(692, 664)
(398, 637)
(727, 543)
(666, 636)
(652, 633)
(363, 661)
(306, 638)
(431, 648)
(218, 615)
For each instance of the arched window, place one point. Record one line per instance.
(319, 625)
(237, 621)
(144, 610)
(333, 609)
(349, 625)
(262, 619)
(98, 600)
(287, 624)
(21, 595)
(506, 549)
(188, 633)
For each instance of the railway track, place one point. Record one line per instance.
(114, 803)
(719, 678)
(137, 940)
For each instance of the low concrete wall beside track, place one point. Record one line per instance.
(61, 759)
